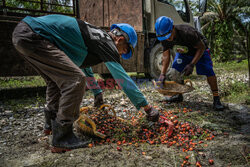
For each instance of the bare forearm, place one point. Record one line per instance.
(165, 61)
(199, 53)
(197, 56)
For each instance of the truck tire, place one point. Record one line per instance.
(155, 61)
(106, 75)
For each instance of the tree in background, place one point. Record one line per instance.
(194, 6)
(63, 6)
(226, 25)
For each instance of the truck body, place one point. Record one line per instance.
(141, 14)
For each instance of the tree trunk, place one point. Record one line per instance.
(248, 56)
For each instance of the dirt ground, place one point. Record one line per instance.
(22, 142)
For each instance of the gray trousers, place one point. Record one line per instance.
(65, 81)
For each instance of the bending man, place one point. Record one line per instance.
(192, 50)
(59, 47)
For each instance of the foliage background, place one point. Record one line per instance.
(226, 25)
(61, 6)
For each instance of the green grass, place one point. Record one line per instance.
(231, 66)
(232, 90)
(24, 103)
(20, 82)
(137, 75)
(235, 92)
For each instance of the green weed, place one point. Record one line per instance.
(21, 82)
(27, 103)
(235, 91)
(231, 66)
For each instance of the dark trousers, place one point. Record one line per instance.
(65, 81)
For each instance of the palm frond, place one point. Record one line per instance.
(204, 27)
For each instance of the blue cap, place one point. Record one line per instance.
(131, 37)
(163, 28)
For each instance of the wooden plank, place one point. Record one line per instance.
(91, 11)
(104, 13)
(126, 11)
(140, 53)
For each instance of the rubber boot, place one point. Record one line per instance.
(49, 115)
(174, 99)
(64, 139)
(217, 104)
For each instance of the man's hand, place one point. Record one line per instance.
(188, 69)
(152, 113)
(162, 78)
(98, 100)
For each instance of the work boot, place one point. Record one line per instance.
(64, 139)
(174, 99)
(217, 104)
(49, 115)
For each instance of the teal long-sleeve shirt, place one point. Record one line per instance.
(66, 33)
(127, 84)
(91, 82)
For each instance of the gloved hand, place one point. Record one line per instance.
(162, 78)
(188, 69)
(152, 114)
(98, 100)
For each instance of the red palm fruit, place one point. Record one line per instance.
(119, 148)
(211, 162)
(175, 121)
(151, 142)
(198, 164)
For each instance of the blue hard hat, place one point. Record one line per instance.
(132, 37)
(163, 28)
